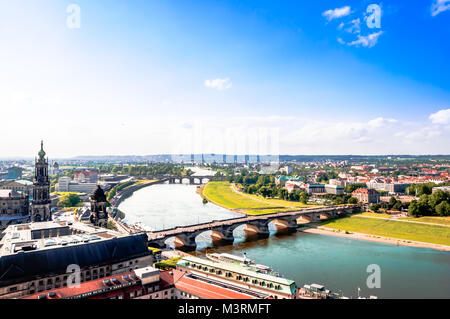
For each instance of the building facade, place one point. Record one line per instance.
(15, 172)
(99, 216)
(35, 257)
(40, 205)
(366, 196)
(14, 208)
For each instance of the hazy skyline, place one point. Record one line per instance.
(154, 77)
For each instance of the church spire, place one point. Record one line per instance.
(41, 152)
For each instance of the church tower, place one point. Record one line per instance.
(40, 205)
(99, 216)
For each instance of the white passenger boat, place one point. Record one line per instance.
(242, 261)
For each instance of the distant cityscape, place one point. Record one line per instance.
(68, 212)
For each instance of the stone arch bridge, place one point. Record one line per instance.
(257, 226)
(193, 179)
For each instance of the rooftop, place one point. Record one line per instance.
(35, 249)
(208, 288)
(89, 288)
(235, 268)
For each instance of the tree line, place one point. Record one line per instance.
(436, 204)
(143, 170)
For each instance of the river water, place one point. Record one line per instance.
(338, 263)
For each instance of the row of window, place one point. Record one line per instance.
(237, 277)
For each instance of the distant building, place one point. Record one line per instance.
(14, 208)
(15, 172)
(282, 179)
(286, 170)
(442, 188)
(315, 189)
(3, 175)
(20, 186)
(334, 189)
(367, 196)
(55, 168)
(86, 176)
(65, 184)
(387, 187)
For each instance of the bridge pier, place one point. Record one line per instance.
(325, 216)
(185, 241)
(223, 234)
(286, 224)
(157, 243)
(257, 228)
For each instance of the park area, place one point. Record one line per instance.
(399, 229)
(223, 194)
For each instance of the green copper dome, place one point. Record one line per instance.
(41, 152)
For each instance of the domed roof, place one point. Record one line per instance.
(98, 195)
(42, 152)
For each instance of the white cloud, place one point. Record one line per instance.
(380, 122)
(355, 26)
(219, 84)
(439, 6)
(441, 117)
(366, 41)
(336, 13)
(423, 134)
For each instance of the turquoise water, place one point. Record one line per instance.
(341, 263)
(338, 263)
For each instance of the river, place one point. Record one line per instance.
(338, 263)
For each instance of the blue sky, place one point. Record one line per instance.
(183, 76)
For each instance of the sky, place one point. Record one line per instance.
(270, 77)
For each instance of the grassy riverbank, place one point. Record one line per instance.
(223, 194)
(393, 229)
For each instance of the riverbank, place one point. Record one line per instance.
(386, 240)
(225, 195)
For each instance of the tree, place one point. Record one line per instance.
(265, 191)
(375, 208)
(398, 205)
(438, 197)
(353, 200)
(284, 193)
(392, 202)
(443, 209)
(69, 200)
(303, 197)
(413, 209)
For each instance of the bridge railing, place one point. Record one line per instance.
(231, 221)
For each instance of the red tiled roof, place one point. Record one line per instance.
(361, 190)
(85, 287)
(205, 290)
